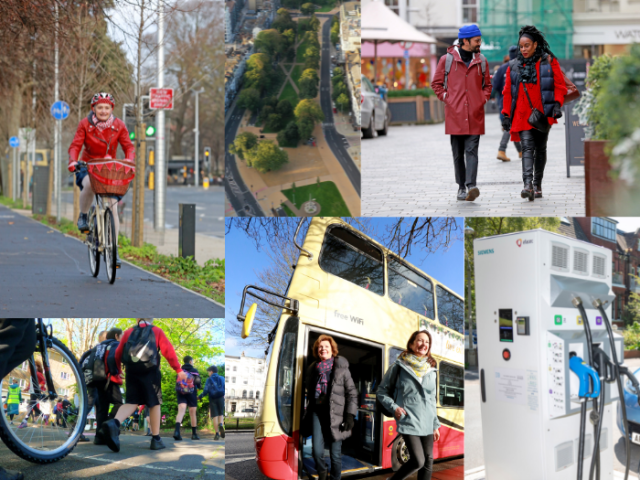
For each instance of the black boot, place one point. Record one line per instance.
(10, 475)
(528, 192)
(111, 434)
(538, 190)
(194, 436)
(99, 439)
(83, 223)
(462, 193)
(176, 434)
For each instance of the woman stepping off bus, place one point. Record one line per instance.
(332, 405)
(413, 401)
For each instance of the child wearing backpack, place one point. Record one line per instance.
(139, 351)
(187, 394)
(102, 374)
(215, 389)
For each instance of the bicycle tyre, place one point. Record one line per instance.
(94, 255)
(111, 244)
(41, 457)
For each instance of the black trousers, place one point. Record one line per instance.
(17, 344)
(465, 159)
(111, 395)
(534, 155)
(421, 458)
(504, 141)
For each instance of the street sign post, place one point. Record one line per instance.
(161, 98)
(60, 111)
(14, 142)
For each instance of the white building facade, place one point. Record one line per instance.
(244, 386)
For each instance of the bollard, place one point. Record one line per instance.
(40, 190)
(205, 183)
(187, 230)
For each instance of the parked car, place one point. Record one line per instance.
(374, 111)
(633, 409)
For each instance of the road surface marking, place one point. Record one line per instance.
(134, 465)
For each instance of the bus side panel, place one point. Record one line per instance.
(451, 443)
(274, 457)
(388, 436)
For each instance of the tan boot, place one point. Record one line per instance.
(520, 154)
(503, 156)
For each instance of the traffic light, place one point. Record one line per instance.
(207, 155)
(151, 131)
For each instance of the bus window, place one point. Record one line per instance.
(409, 289)
(450, 310)
(285, 375)
(394, 353)
(353, 259)
(451, 387)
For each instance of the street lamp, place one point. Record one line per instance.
(470, 233)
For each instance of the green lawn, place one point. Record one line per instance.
(296, 74)
(326, 194)
(301, 49)
(327, 8)
(289, 94)
(231, 423)
(277, 83)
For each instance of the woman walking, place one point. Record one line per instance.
(332, 405)
(409, 390)
(530, 111)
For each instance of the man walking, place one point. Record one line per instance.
(463, 82)
(215, 389)
(498, 85)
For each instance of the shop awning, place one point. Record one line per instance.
(386, 50)
(381, 24)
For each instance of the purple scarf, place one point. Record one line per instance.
(324, 370)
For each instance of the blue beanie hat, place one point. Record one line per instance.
(513, 52)
(469, 31)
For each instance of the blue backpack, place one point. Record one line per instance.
(218, 387)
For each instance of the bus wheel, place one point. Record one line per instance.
(399, 453)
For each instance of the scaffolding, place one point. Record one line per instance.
(500, 22)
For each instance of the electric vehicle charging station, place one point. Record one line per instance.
(535, 367)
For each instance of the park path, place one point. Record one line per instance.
(289, 79)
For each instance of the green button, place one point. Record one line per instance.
(558, 319)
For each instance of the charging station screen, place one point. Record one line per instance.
(506, 324)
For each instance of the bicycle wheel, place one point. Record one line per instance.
(111, 244)
(93, 239)
(44, 441)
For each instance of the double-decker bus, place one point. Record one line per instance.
(369, 300)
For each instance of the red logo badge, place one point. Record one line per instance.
(519, 242)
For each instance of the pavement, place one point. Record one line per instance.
(46, 274)
(240, 463)
(209, 219)
(410, 172)
(474, 452)
(184, 460)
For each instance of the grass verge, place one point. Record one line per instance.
(290, 94)
(325, 193)
(8, 202)
(232, 423)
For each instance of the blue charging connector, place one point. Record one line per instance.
(584, 371)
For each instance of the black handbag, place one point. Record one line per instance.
(537, 119)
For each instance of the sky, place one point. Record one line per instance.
(243, 261)
(627, 224)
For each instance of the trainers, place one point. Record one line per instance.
(221, 431)
(83, 223)
(195, 437)
(118, 262)
(23, 424)
(111, 434)
(502, 155)
(217, 437)
(157, 444)
(99, 440)
(462, 194)
(83, 439)
(474, 193)
(176, 434)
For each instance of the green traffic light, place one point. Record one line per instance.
(132, 135)
(151, 131)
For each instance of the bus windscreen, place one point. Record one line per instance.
(450, 310)
(409, 289)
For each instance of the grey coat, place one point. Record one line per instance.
(342, 397)
(416, 395)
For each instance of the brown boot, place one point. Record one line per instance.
(520, 154)
(502, 155)
(538, 190)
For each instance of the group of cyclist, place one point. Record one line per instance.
(136, 351)
(97, 137)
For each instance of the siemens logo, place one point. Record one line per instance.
(485, 252)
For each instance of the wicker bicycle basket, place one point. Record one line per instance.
(110, 176)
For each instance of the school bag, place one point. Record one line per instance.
(218, 387)
(140, 353)
(93, 367)
(186, 386)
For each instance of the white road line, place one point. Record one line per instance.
(238, 460)
(149, 467)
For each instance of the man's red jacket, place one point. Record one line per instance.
(162, 342)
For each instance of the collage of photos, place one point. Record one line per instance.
(410, 203)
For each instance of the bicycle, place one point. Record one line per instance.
(44, 441)
(101, 238)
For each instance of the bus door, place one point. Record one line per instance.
(361, 452)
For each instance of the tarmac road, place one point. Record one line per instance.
(189, 459)
(334, 139)
(241, 199)
(46, 274)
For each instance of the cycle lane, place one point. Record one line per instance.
(44, 273)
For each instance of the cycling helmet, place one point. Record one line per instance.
(102, 97)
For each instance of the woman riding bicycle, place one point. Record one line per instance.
(99, 134)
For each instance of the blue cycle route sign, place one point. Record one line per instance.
(60, 110)
(14, 142)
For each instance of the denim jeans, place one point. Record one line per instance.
(322, 436)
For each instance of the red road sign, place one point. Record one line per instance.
(161, 98)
